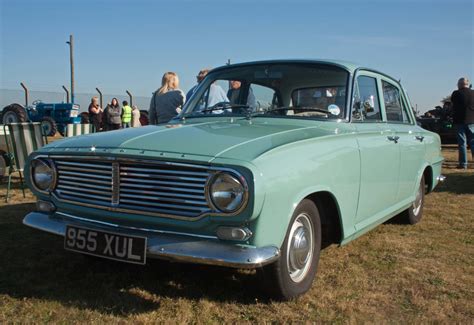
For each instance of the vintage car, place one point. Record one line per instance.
(302, 154)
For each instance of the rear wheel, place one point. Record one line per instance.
(49, 126)
(14, 113)
(413, 214)
(294, 272)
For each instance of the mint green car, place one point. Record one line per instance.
(299, 154)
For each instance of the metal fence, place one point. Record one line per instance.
(9, 96)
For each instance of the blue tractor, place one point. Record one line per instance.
(53, 117)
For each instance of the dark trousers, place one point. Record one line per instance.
(115, 126)
(465, 135)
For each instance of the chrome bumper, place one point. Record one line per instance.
(174, 247)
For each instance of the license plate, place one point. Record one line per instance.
(119, 247)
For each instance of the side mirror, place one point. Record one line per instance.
(368, 106)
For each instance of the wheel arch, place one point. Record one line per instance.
(428, 175)
(330, 214)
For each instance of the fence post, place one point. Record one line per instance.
(26, 93)
(130, 96)
(67, 94)
(100, 97)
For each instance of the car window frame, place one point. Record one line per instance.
(403, 101)
(349, 89)
(376, 76)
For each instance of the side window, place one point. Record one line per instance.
(366, 105)
(262, 98)
(394, 107)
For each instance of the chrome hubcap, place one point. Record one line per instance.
(416, 206)
(300, 247)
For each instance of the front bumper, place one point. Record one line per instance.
(163, 245)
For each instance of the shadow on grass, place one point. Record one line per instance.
(457, 183)
(34, 264)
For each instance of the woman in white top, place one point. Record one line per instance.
(167, 101)
(135, 117)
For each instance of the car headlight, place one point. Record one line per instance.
(228, 192)
(43, 174)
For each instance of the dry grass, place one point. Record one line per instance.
(396, 273)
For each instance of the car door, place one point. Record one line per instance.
(379, 153)
(402, 122)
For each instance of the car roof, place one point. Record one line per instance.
(351, 67)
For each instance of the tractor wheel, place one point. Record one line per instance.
(144, 118)
(14, 113)
(49, 126)
(85, 118)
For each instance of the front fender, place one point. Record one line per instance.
(291, 173)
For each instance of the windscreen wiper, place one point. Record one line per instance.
(302, 108)
(222, 106)
(217, 107)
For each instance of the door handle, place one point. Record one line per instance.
(419, 138)
(393, 138)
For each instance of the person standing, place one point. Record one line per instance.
(234, 95)
(135, 117)
(126, 115)
(200, 77)
(95, 114)
(463, 118)
(214, 95)
(112, 115)
(167, 101)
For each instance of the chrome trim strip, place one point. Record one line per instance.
(77, 169)
(72, 163)
(110, 224)
(115, 184)
(73, 193)
(88, 179)
(164, 171)
(130, 193)
(152, 187)
(164, 199)
(88, 190)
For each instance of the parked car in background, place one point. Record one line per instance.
(331, 151)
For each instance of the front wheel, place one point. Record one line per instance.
(49, 126)
(294, 272)
(413, 214)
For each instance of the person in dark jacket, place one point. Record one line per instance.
(463, 118)
(95, 114)
(113, 113)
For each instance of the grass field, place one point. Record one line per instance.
(395, 273)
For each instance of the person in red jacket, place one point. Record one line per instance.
(463, 118)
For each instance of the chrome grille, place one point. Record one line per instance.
(157, 188)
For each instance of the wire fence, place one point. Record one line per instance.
(9, 96)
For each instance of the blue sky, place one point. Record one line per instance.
(130, 44)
